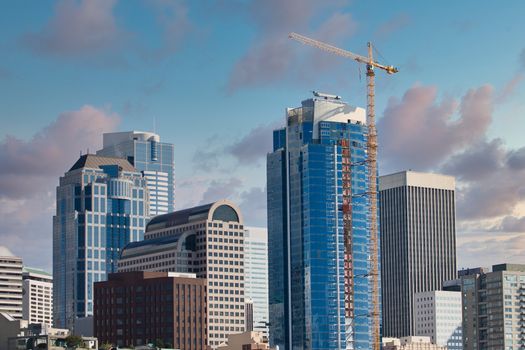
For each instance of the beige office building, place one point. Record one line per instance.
(207, 240)
(410, 343)
(38, 296)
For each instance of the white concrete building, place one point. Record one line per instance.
(38, 296)
(437, 315)
(256, 274)
(10, 283)
(410, 343)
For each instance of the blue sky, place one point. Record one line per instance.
(216, 76)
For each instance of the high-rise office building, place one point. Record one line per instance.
(10, 283)
(138, 308)
(256, 275)
(494, 308)
(38, 296)
(207, 240)
(149, 156)
(438, 315)
(418, 243)
(101, 205)
(317, 298)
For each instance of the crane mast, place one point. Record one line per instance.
(372, 192)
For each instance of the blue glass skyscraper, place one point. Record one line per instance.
(101, 206)
(309, 306)
(151, 157)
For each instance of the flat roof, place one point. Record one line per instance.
(417, 179)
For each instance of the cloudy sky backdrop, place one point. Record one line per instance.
(214, 78)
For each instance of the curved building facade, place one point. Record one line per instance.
(207, 240)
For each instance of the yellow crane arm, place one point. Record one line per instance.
(340, 52)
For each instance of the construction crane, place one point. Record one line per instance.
(372, 178)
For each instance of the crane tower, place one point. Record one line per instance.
(372, 190)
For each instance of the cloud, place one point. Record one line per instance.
(516, 159)
(272, 56)
(221, 189)
(477, 162)
(254, 146)
(253, 206)
(420, 132)
(29, 174)
(173, 19)
(509, 88)
(495, 250)
(512, 224)
(27, 228)
(51, 151)
(394, 24)
(77, 28)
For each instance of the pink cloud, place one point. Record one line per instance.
(272, 56)
(78, 28)
(420, 132)
(34, 165)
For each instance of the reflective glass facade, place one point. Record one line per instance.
(306, 231)
(150, 156)
(101, 207)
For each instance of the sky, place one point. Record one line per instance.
(214, 78)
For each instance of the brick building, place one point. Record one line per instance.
(137, 308)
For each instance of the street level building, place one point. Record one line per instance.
(246, 341)
(153, 158)
(319, 228)
(38, 296)
(410, 343)
(494, 308)
(10, 283)
(138, 308)
(418, 243)
(438, 315)
(101, 205)
(256, 275)
(207, 240)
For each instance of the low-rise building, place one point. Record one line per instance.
(410, 343)
(246, 341)
(137, 308)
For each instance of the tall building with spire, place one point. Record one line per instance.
(101, 205)
(318, 228)
(153, 158)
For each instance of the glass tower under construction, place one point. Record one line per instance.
(318, 231)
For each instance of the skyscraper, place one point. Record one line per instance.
(10, 283)
(319, 290)
(149, 156)
(38, 296)
(101, 205)
(256, 275)
(494, 308)
(418, 243)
